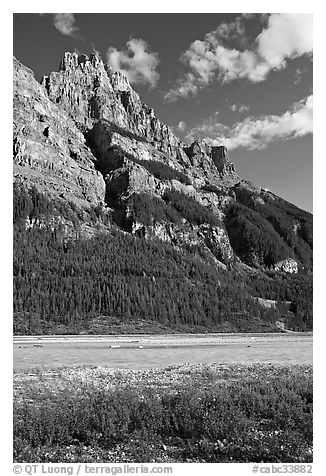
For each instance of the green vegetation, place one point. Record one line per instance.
(295, 289)
(31, 204)
(66, 284)
(293, 225)
(253, 238)
(190, 209)
(58, 282)
(149, 209)
(256, 413)
(175, 205)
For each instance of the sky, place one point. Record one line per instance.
(239, 80)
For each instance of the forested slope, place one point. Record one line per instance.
(65, 284)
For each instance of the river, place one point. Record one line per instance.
(154, 351)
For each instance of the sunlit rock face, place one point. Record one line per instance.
(288, 266)
(49, 150)
(85, 136)
(89, 90)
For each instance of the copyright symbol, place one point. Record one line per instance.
(17, 469)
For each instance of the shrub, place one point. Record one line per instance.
(248, 414)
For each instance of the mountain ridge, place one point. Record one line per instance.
(84, 139)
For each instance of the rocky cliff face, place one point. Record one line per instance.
(103, 103)
(88, 91)
(84, 135)
(49, 151)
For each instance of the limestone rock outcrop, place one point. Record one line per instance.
(88, 91)
(287, 266)
(84, 136)
(86, 118)
(49, 151)
(103, 103)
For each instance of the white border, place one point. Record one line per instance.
(167, 6)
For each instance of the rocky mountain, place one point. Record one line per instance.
(91, 158)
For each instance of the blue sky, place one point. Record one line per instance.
(242, 80)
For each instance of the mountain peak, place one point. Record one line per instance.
(90, 158)
(93, 65)
(86, 130)
(91, 92)
(72, 61)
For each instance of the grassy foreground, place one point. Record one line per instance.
(187, 413)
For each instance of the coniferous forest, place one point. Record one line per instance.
(63, 285)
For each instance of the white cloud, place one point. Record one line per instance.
(65, 23)
(187, 86)
(285, 37)
(257, 133)
(288, 35)
(138, 63)
(182, 126)
(239, 107)
(228, 31)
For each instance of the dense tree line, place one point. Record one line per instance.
(123, 276)
(293, 225)
(253, 238)
(296, 289)
(190, 209)
(69, 282)
(30, 204)
(174, 206)
(149, 209)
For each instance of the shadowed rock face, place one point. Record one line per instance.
(220, 159)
